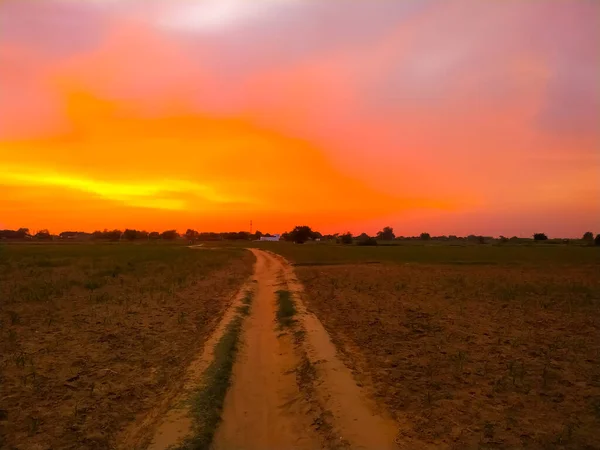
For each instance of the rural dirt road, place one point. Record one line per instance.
(271, 404)
(289, 389)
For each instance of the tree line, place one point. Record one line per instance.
(300, 234)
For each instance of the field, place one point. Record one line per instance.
(473, 346)
(92, 336)
(468, 347)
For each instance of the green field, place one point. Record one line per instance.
(325, 253)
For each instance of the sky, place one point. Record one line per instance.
(447, 117)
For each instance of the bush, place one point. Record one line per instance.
(347, 238)
(540, 237)
(369, 241)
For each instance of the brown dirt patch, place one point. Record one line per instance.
(92, 338)
(492, 356)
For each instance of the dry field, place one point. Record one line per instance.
(91, 336)
(468, 348)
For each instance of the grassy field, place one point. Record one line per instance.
(469, 347)
(435, 253)
(92, 335)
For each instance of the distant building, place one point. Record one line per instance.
(275, 237)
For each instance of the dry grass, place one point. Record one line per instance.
(91, 335)
(493, 356)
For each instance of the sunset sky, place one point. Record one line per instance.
(449, 117)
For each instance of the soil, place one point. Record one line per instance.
(94, 337)
(470, 357)
(169, 423)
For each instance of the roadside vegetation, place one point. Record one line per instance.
(286, 309)
(207, 402)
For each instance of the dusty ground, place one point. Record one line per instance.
(471, 356)
(92, 337)
(271, 403)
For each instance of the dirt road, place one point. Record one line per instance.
(289, 388)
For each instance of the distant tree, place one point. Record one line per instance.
(387, 234)
(588, 236)
(481, 239)
(347, 238)
(540, 237)
(369, 241)
(154, 235)
(300, 234)
(503, 239)
(425, 236)
(363, 237)
(258, 235)
(514, 238)
(169, 235)
(191, 235)
(43, 235)
(130, 235)
(113, 235)
(597, 240)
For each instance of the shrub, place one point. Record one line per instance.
(347, 238)
(369, 241)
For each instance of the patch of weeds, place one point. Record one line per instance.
(207, 402)
(15, 319)
(244, 310)
(488, 430)
(286, 309)
(247, 300)
(92, 285)
(34, 425)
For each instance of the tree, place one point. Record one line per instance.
(347, 238)
(43, 235)
(169, 235)
(191, 235)
(387, 234)
(588, 236)
(368, 241)
(597, 240)
(540, 237)
(154, 235)
(130, 235)
(300, 234)
(425, 236)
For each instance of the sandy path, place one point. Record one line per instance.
(265, 408)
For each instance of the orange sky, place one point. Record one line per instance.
(426, 116)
